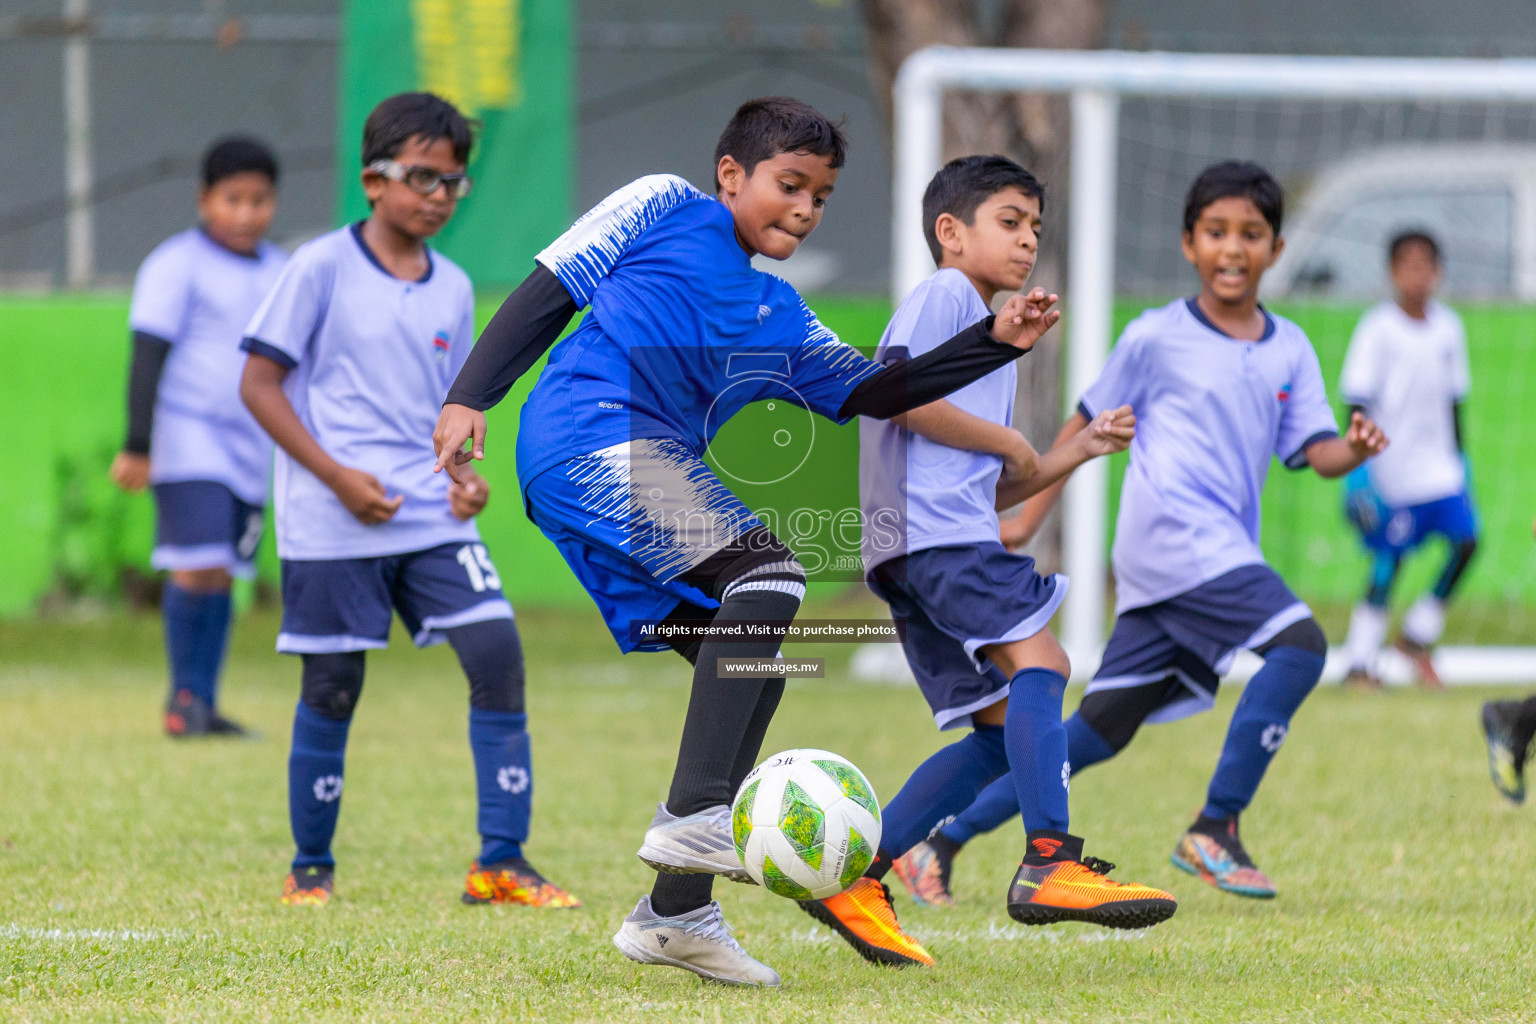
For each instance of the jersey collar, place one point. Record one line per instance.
(357, 236)
(1198, 314)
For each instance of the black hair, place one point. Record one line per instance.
(1235, 178)
(1413, 236)
(237, 154)
(409, 115)
(763, 128)
(964, 184)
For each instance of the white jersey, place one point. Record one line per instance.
(372, 357)
(917, 493)
(1409, 374)
(198, 295)
(1211, 411)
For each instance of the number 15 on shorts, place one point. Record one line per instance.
(477, 563)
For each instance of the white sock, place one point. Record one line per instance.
(1367, 630)
(1425, 621)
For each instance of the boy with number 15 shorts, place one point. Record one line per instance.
(349, 360)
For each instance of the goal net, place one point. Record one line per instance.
(1366, 148)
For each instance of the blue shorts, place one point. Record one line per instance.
(1396, 531)
(1194, 636)
(201, 524)
(629, 520)
(955, 601)
(344, 604)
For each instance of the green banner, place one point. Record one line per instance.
(505, 62)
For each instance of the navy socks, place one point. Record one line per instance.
(1084, 745)
(1037, 748)
(1259, 725)
(943, 785)
(503, 782)
(315, 776)
(196, 628)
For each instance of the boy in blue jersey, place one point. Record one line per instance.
(975, 614)
(1406, 367)
(349, 359)
(1220, 386)
(682, 334)
(189, 439)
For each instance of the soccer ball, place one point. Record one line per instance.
(806, 824)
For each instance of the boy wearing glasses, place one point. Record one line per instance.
(349, 359)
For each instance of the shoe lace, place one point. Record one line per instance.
(1098, 866)
(715, 929)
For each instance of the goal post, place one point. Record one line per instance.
(1096, 82)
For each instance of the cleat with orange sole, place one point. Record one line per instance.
(1056, 883)
(516, 882)
(864, 917)
(308, 887)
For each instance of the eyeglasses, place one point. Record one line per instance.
(423, 180)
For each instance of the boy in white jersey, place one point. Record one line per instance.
(975, 615)
(1407, 367)
(349, 360)
(189, 439)
(1220, 386)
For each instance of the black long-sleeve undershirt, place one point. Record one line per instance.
(522, 330)
(533, 316)
(144, 369)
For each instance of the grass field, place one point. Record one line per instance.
(138, 878)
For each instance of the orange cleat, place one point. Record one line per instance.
(514, 881)
(308, 887)
(865, 918)
(1423, 663)
(1056, 883)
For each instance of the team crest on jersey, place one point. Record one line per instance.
(1285, 392)
(440, 345)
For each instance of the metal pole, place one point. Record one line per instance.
(1090, 311)
(919, 149)
(80, 242)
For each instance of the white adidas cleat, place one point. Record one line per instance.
(699, 941)
(695, 844)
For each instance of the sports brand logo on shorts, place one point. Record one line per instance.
(513, 778)
(440, 345)
(1285, 392)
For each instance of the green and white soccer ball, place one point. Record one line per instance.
(806, 824)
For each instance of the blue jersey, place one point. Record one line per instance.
(371, 357)
(198, 295)
(683, 331)
(1211, 411)
(917, 493)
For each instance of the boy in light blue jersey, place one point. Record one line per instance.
(976, 615)
(349, 359)
(683, 333)
(189, 439)
(1220, 386)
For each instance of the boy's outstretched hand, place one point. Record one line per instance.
(1111, 431)
(457, 424)
(1024, 318)
(1364, 436)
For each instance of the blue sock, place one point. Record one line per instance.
(315, 774)
(503, 780)
(1037, 748)
(1085, 746)
(943, 785)
(1259, 725)
(196, 626)
(996, 804)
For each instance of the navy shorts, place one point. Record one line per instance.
(201, 524)
(1193, 637)
(955, 601)
(345, 604)
(1395, 531)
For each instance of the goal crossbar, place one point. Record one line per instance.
(1096, 80)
